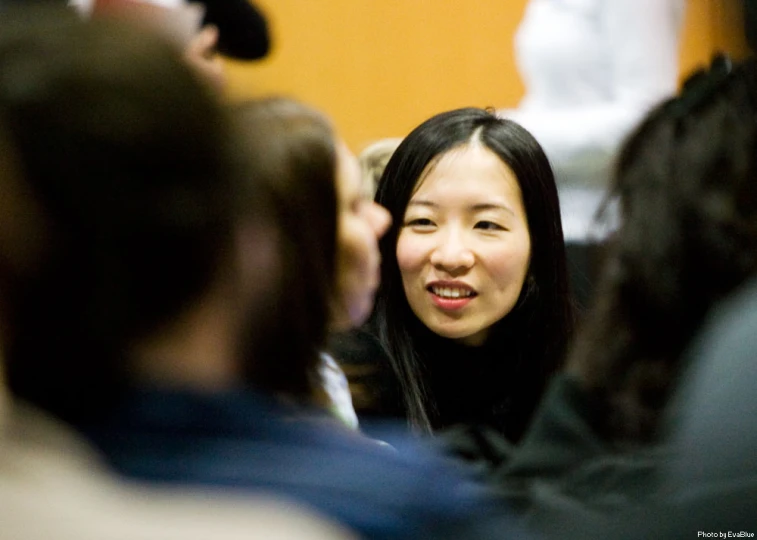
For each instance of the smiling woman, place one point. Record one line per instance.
(473, 308)
(464, 247)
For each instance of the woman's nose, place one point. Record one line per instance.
(379, 218)
(452, 254)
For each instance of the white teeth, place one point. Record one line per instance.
(447, 292)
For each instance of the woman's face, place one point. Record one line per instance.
(464, 246)
(360, 225)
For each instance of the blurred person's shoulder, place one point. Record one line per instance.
(403, 489)
(53, 484)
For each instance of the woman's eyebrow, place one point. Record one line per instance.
(480, 207)
(423, 202)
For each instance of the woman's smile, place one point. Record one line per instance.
(465, 224)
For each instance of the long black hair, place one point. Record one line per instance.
(687, 237)
(542, 319)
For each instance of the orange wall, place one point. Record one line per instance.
(711, 25)
(380, 67)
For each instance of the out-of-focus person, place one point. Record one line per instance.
(322, 180)
(261, 422)
(592, 69)
(52, 483)
(179, 20)
(687, 239)
(242, 25)
(244, 30)
(373, 159)
(160, 255)
(710, 483)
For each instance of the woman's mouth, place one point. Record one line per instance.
(450, 297)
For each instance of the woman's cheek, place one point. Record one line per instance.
(509, 262)
(409, 252)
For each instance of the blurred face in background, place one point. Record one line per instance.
(361, 223)
(464, 246)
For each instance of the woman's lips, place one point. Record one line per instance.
(451, 296)
(450, 304)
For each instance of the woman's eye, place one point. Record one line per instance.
(419, 222)
(489, 226)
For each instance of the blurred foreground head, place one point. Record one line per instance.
(329, 236)
(290, 149)
(688, 237)
(118, 202)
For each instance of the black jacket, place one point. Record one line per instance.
(564, 474)
(476, 387)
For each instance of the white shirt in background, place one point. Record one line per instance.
(592, 70)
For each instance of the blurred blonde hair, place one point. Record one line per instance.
(373, 160)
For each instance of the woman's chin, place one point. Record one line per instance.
(360, 311)
(463, 336)
(352, 317)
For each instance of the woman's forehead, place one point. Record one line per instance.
(467, 168)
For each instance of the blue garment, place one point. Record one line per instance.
(244, 440)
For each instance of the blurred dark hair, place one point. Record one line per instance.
(125, 153)
(542, 319)
(688, 236)
(292, 152)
